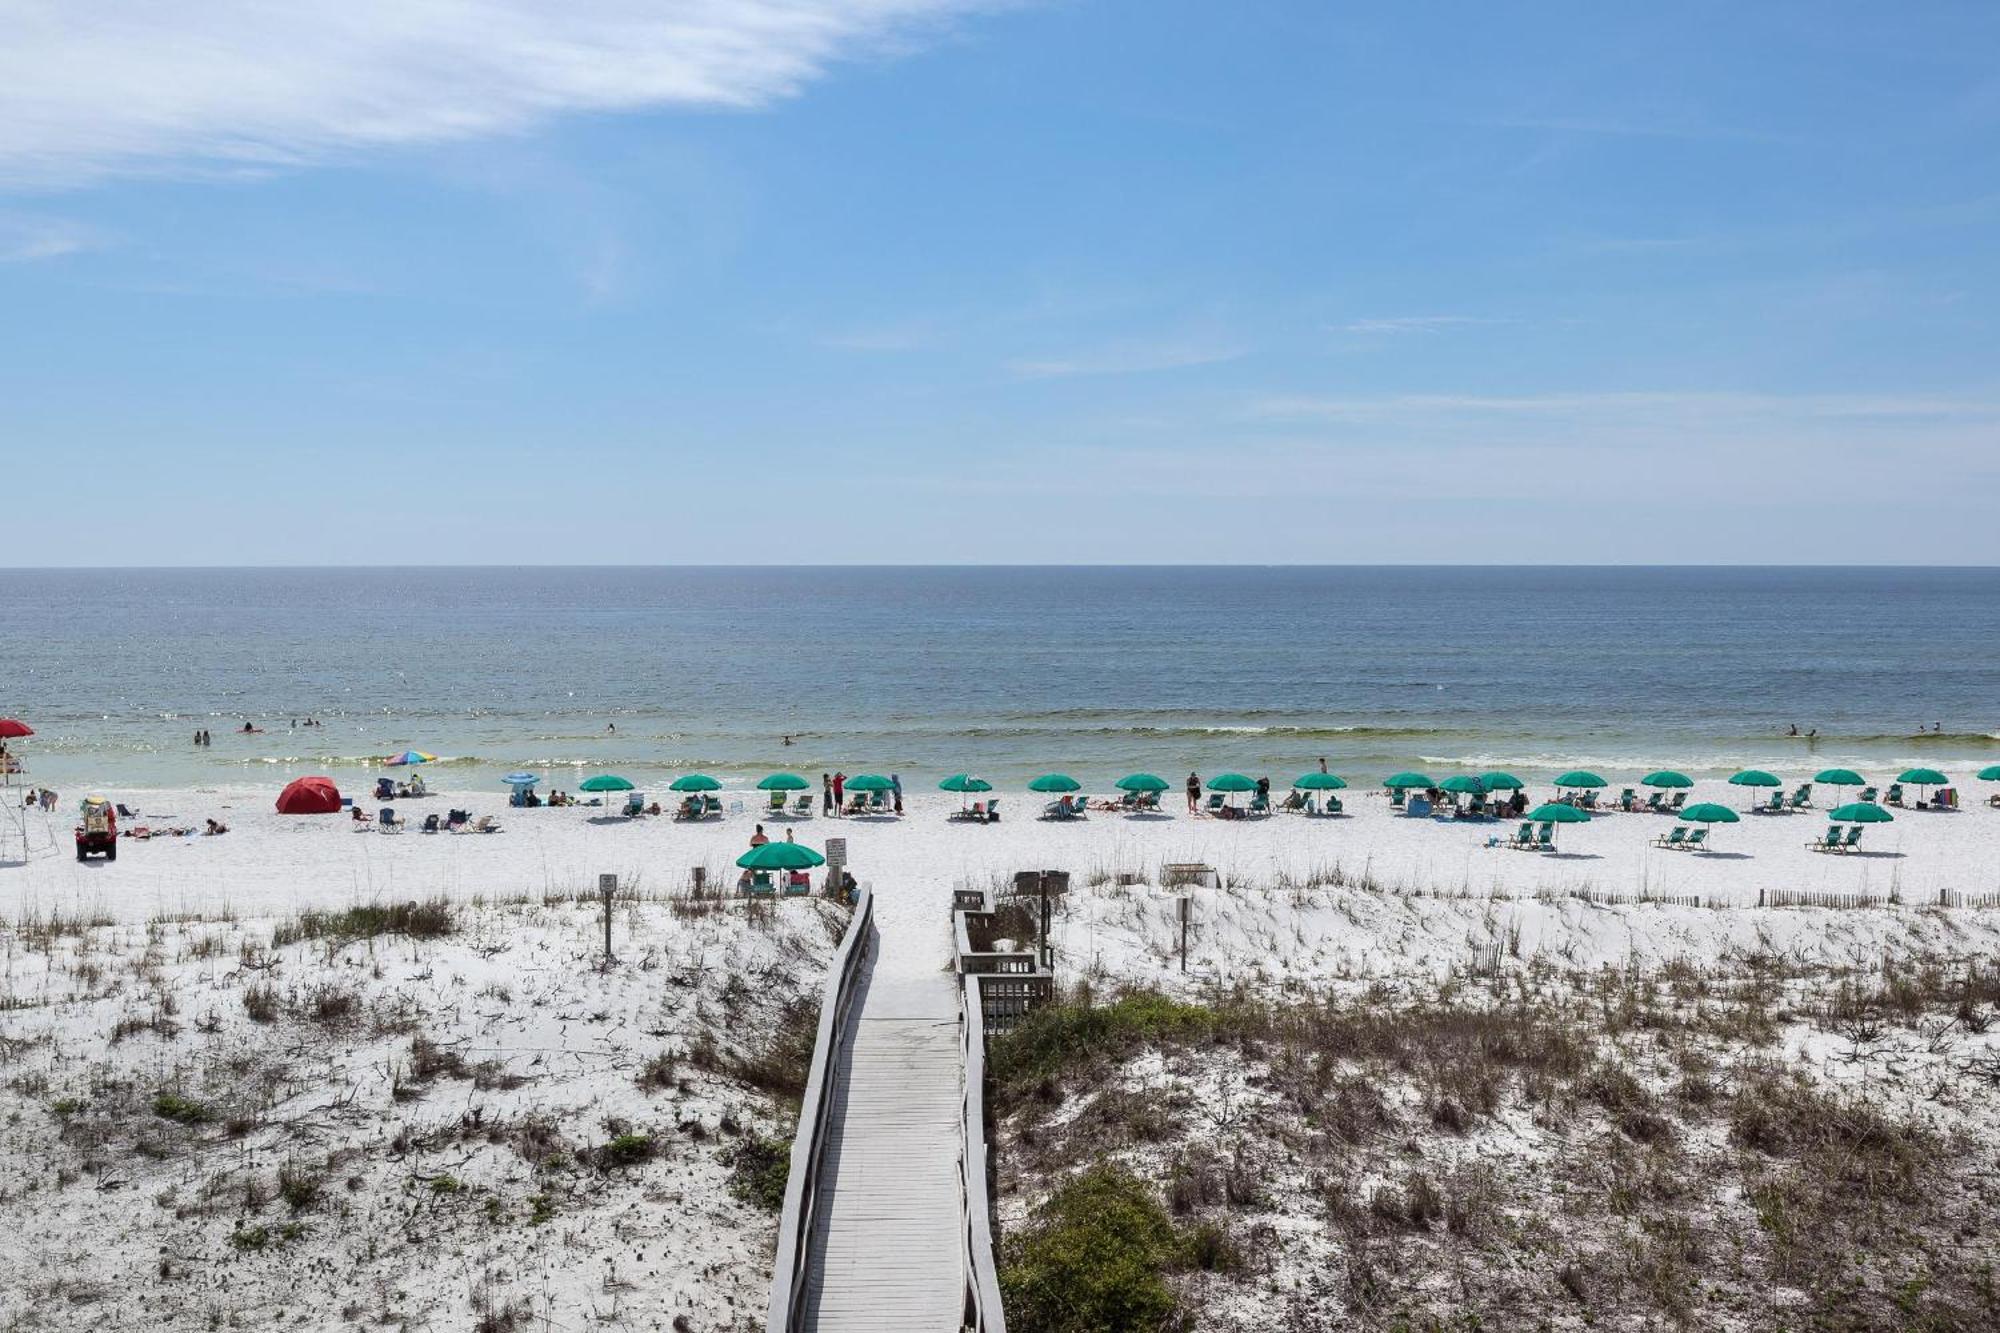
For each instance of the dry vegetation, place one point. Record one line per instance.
(406, 1116)
(1755, 1145)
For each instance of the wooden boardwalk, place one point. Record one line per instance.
(886, 1253)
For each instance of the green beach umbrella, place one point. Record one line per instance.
(1555, 812)
(1839, 777)
(1991, 773)
(964, 782)
(694, 782)
(1860, 812)
(1581, 777)
(604, 782)
(1708, 812)
(1319, 782)
(1055, 782)
(1755, 777)
(869, 782)
(781, 856)
(784, 782)
(1141, 782)
(1922, 777)
(1498, 781)
(1407, 781)
(1227, 782)
(1462, 784)
(1666, 777)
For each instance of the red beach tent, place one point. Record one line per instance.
(310, 796)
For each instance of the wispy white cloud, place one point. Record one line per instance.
(1129, 359)
(25, 238)
(1616, 128)
(1816, 406)
(1415, 324)
(134, 86)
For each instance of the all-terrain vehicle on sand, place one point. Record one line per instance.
(97, 833)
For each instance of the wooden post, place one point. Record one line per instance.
(1185, 900)
(607, 888)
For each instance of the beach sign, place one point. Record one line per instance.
(836, 853)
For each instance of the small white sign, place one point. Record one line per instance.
(836, 851)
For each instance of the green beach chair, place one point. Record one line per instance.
(1697, 841)
(1260, 804)
(761, 885)
(1674, 838)
(1396, 799)
(1216, 800)
(1545, 837)
(1680, 799)
(1801, 799)
(1830, 843)
(1776, 805)
(1895, 796)
(1853, 839)
(1655, 803)
(1523, 836)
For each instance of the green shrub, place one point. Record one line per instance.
(759, 1169)
(184, 1110)
(1094, 1260)
(1060, 1036)
(625, 1150)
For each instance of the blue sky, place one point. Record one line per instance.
(928, 280)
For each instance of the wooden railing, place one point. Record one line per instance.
(983, 1313)
(795, 1223)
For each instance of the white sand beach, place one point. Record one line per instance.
(269, 863)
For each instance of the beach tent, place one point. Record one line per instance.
(1141, 782)
(1666, 778)
(309, 796)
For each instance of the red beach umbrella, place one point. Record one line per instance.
(13, 729)
(310, 796)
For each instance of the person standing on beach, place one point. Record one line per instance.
(1264, 790)
(1194, 793)
(896, 787)
(826, 793)
(839, 792)
(1322, 763)
(758, 839)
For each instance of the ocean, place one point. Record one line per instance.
(1004, 672)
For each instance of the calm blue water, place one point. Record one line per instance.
(1005, 672)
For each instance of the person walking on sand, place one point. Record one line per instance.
(826, 793)
(1193, 793)
(839, 793)
(896, 789)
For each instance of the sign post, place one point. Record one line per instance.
(836, 864)
(607, 888)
